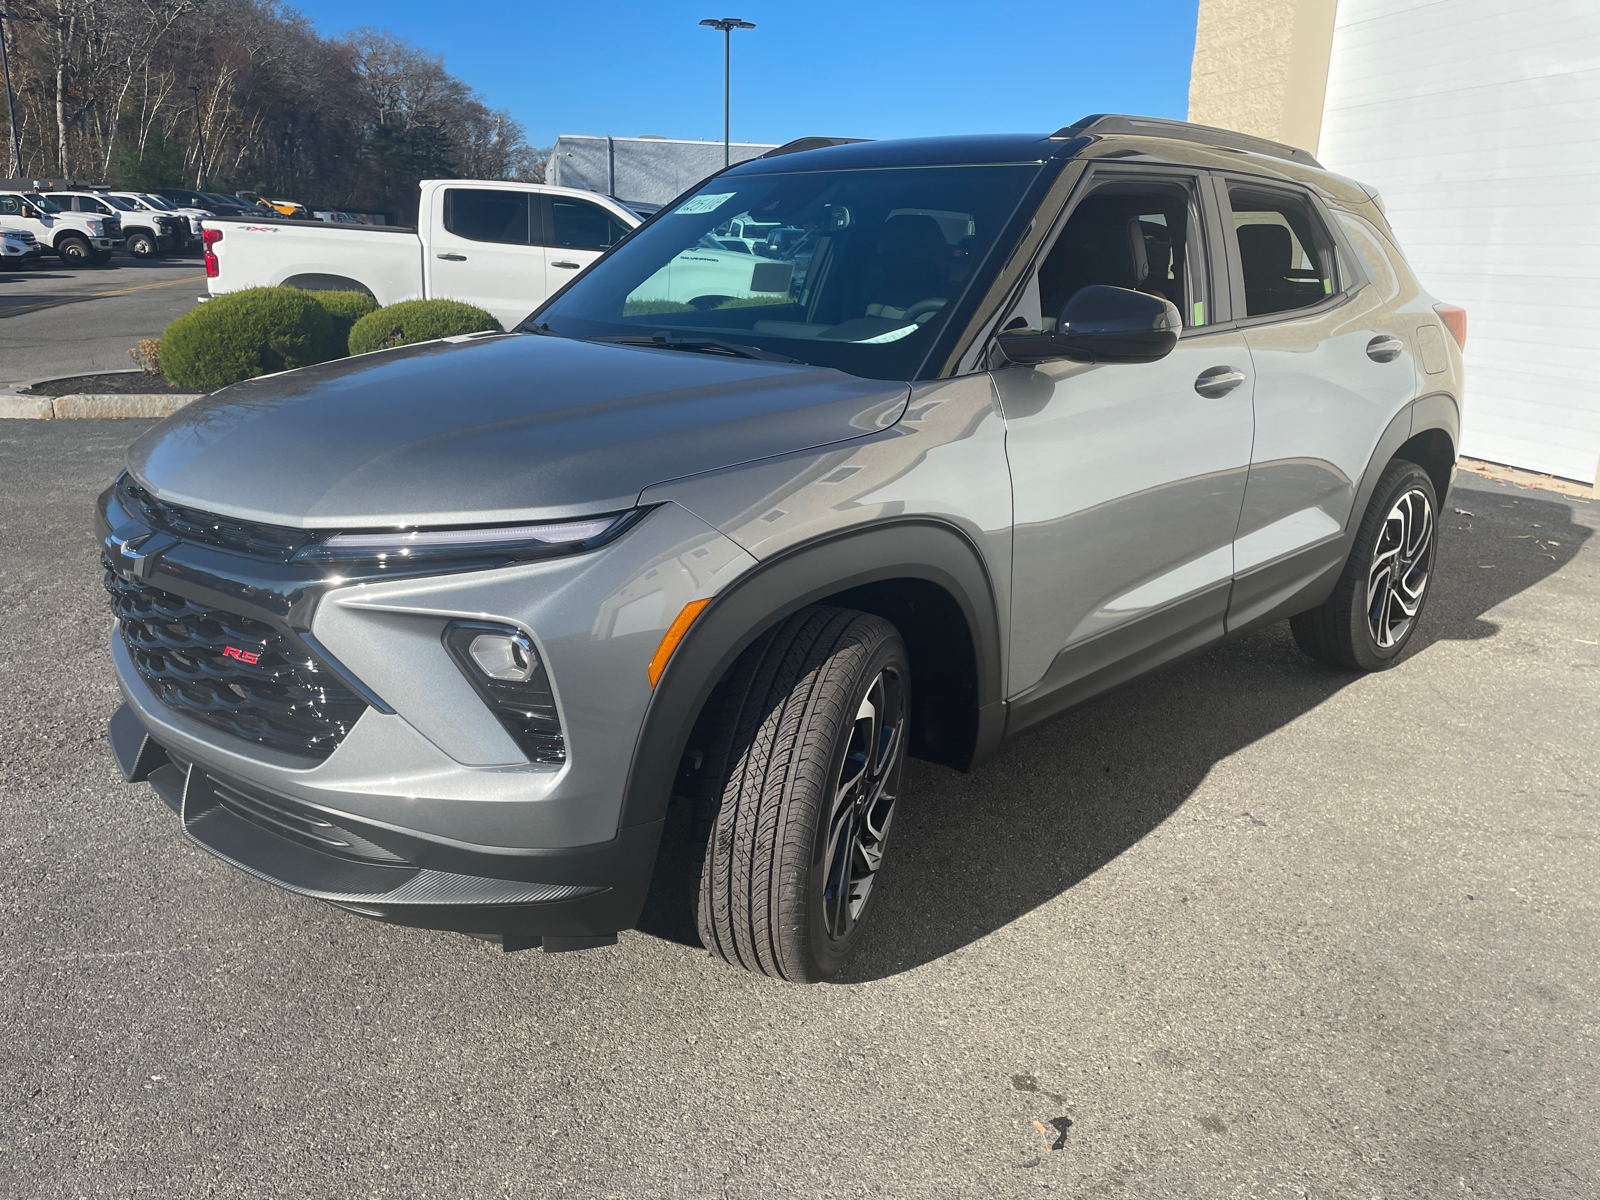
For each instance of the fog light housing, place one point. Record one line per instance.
(504, 668)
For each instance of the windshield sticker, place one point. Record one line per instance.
(894, 335)
(704, 204)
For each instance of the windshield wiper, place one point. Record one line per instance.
(666, 340)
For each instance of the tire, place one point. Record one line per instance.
(100, 257)
(804, 746)
(1368, 621)
(142, 245)
(74, 252)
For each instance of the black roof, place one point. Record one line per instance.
(821, 153)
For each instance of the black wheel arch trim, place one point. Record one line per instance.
(928, 549)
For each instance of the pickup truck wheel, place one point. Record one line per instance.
(804, 751)
(1378, 601)
(141, 245)
(74, 252)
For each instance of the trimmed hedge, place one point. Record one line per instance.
(240, 335)
(346, 308)
(418, 321)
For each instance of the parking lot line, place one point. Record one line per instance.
(143, 287)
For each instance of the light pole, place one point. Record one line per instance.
(727, 25)
(200, 167)
(11, 103)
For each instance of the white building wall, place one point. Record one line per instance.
(643, 170)
(1479, 122)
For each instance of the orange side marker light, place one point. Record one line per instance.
(674, 635)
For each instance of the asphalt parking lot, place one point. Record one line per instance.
(1246, 928)
(55, 321)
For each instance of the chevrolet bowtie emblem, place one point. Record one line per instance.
(135, 556)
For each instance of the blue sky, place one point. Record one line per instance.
(820, 67)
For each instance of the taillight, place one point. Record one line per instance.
(1456, 319)
(211, 237)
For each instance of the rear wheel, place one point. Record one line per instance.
(804, 746)
(74, 252)
(1378, 601)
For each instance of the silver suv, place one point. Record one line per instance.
(978, 427)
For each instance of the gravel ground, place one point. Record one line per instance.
(1246, 928)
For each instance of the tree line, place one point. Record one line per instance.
(228, 94)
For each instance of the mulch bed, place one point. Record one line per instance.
(120, 383)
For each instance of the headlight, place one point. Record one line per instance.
(504, 669)
(95, 228)
(506, 542)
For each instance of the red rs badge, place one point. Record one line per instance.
(243, 656)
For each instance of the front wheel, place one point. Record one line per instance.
(804, 746)
(74, 252)
(1378, 601)
(142, 245)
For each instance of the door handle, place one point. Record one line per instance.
(1384, 348)
(568, 266)
(1218, 381)
(452, 257)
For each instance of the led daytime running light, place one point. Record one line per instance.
(421, 542)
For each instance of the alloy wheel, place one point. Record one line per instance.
(864, 802)
(1401, 566)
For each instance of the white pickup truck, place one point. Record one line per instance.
(78, 239)
(502, 246)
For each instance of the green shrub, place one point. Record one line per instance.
(346, 308)
(418, 321)
(240, 335)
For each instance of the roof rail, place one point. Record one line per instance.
(811, 143)
(1206, 135)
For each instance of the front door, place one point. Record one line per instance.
(485, 250)
(1127, 478)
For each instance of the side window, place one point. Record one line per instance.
(579, 225)
(1285, 253)
(485, 215)
(10, 206)
(85, 204)
(1136, 235)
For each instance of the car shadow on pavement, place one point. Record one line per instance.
(974, 852)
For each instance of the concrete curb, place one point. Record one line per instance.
(46, 408)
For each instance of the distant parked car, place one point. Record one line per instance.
(502, 246)
(221, 206)
(18, 248)
(333, 216)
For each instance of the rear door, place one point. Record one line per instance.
(485, 248)
(1127, 478)
(1333, 366)
(576, 233)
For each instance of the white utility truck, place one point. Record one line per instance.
(78, 239)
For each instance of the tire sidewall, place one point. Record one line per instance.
(73, 252)
(828, 955)
(141, 245)
(1400, 478)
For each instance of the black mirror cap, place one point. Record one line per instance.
(1102, 324)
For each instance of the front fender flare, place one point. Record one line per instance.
(923, 549)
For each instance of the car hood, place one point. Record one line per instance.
(504, 428)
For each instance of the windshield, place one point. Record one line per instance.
(42, 203)
(116, 202)
(850, 269)
(156, 202)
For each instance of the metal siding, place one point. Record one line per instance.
(1476, 120)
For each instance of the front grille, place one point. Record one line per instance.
(276, 542)
(267, 691)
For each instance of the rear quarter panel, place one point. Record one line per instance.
(388, 263)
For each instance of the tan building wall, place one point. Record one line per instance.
(1261, 67)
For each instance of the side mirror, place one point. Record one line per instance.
(1102, 324)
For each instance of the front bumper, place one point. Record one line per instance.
(452, 826)
(580, 894)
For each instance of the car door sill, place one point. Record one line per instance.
(1120, 654)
